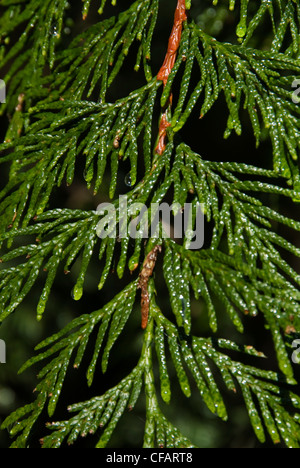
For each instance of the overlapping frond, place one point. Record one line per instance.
(282, 14)
(41, 24)
(259, 82)
(105, 135)
(192, 357)
(242, 237)
(99, 52)
(67, 129)
(262, 391)
(66, 119)
(243, 269)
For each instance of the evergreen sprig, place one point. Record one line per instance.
(62, 118)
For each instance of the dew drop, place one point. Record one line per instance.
(128, 181)
(241, 29)
(76, 293)
(183, 303)
(55, 32)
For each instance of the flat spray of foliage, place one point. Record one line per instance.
(60, 115)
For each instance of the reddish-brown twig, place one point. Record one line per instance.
(145, 275)
(164, 72)
(163, 75)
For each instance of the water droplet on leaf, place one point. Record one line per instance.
(183, 303)
(241, 29)
(55, 32)
(76, 293)
(128, 180)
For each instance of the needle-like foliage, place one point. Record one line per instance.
(63, 120)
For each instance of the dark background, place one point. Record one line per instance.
(22, 332)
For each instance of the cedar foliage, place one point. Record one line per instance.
(62, 115)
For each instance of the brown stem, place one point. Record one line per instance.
(163, 75)
(145, 275)
(164, 72)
